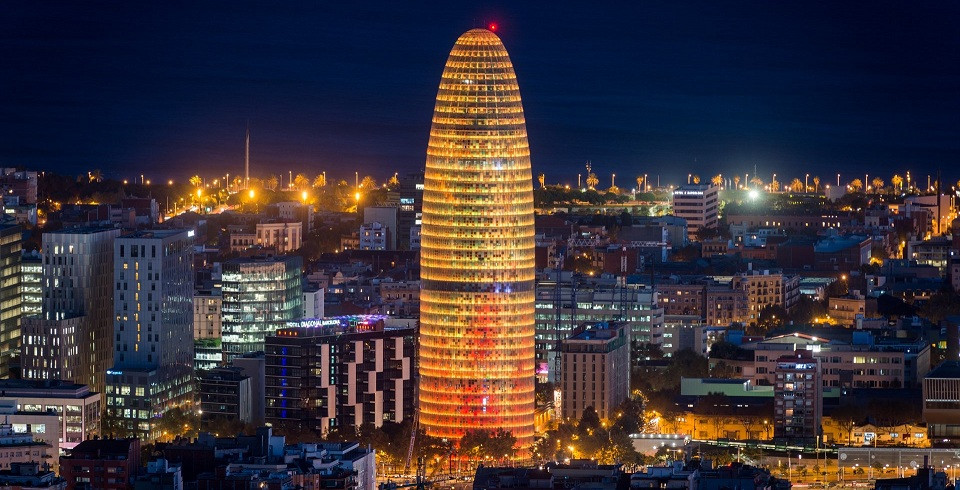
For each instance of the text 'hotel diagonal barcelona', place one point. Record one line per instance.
(477, 250)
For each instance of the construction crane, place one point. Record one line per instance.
(415, 424)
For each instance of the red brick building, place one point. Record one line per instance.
(108, 464)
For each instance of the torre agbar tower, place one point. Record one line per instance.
(477, 251)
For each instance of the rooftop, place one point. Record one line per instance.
(161, 233)
(946, 370)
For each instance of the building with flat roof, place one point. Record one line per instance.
(103, 464)
(342, 371)
(72, 339)
(11, 309)
(207, 314)
(941, 401)
(29, 476)
(260, 295)
(592, 303)
(224, 393)
(596, 369)
(153, 325)
(21, 447)
(699, 204)
(798, 398)
(76, 407)
(31, 283)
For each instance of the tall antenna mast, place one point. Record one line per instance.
(246, 160)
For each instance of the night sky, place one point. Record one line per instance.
(637, 87)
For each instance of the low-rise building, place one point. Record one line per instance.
(22, 447)
(846, 310)
(858, 363)
(374, 236)
(29, 476)
(77, 408)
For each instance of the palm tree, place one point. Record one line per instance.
(717, 180)
(592, 181)
(877, 184)
(816, 184)
(757, 181)
(736, 181)
(640, 183)
(542, 178)
(96, 175)
(196, 181)
(856, 185)
(774, 186)
(320, 181)
(237, 182)
(271, 183)
(897, 182)
(613, 189)
(368, 182)
(301, 182)
(394, 182)
(796, 185)
(696, 179)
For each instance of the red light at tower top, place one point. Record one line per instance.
(492, 27)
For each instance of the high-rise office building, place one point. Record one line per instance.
(153, 324)
(699, 204)
(259, 296)
(31, 283)
(559, 311)
(72, 339)
(10, 300)
(477, 250)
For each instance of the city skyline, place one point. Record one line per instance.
(635, 90)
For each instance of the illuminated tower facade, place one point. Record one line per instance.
(477, 250)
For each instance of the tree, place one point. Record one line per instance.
(320, 181)
(300, 182)
(542, 178)
(847, 417)
(592, 181)
(796, 185)
(685, 363)
(716, 180)
(696, 179)
(196, 181)
(736, 181)
(394, 182)
(757, 181)
(877, 184)
(941, 304)
(271, 183)
(855, 185)
(368, 182)
(897, 182)
(640, 183)
(816, 184)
